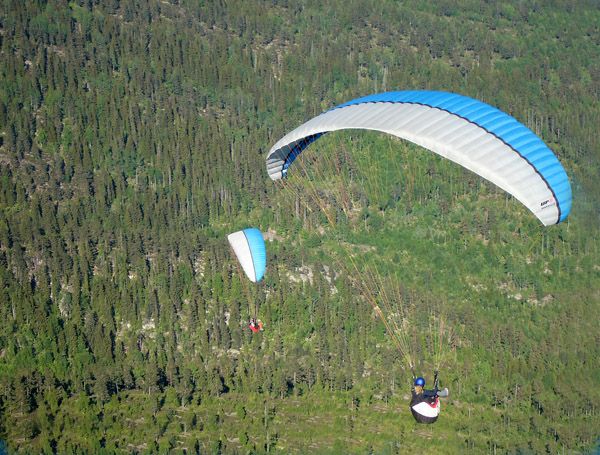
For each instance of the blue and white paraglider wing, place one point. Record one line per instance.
(471, 133)
(249, 248)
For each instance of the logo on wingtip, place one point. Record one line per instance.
(548, 203)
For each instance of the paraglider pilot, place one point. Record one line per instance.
(255, 326)
(425, 404)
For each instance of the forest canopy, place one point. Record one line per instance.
(133, 137)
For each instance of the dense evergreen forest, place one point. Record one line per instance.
(132, 140)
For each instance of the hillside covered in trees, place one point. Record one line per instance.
(132, 140)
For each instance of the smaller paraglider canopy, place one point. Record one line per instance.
(249, 248)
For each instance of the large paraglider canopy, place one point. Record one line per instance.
(471, 133)
(249, 248)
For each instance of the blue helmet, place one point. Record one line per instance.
(420, 381)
